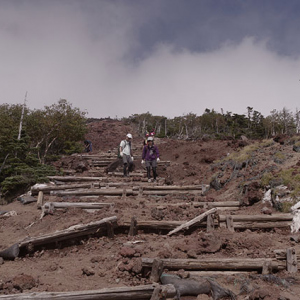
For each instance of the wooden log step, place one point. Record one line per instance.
(258, 218)
(69, 233)
(171, 187)
(259, 224)
(110, 192)
(85, 205)
(50, 187)
(76, 178)
(217, 264)
(132, 174)
(143, 292)
(172, 192)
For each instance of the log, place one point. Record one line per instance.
(172, 187)
(69, 233)
(86, 205)
(161, 225)
(259, 225)
(194, 221)
(118, 293)
(133, 174)
(258, 218)
(217, 204)
(75, 178)
(171, 192)
(218, 264)
(46, 189)
(114, 192)
(195, 274)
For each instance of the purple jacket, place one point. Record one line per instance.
(150, 153)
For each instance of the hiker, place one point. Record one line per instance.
(87, 146)
(126, 154)
(145, 139)
(150, 157)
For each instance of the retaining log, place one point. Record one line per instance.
(112, 192)
(86, 205)
(76, 178)
(71, 232)
(228, 264)
(47, 189)
(118, 293)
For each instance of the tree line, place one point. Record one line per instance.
(219, 125)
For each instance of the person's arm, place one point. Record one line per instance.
(144, 152)
(121, 148)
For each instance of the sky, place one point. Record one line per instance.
(117, 58)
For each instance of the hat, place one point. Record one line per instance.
(129, 135)
(150, 138)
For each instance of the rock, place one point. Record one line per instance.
(87, 271)
(23, 282)
(266, 211)
(137, 266)
(127, 252)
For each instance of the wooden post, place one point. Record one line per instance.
(156, 292)
(229, 223)
(133, 227)
(209, 223)
(157, 269)
(110, 230)
(141, 191)
(40, 200)
(291, 260)
(267, 267)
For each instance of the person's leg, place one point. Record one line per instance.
(148, 173)
(148, 168)
(130, 163)
(154, 164)
(124, 165)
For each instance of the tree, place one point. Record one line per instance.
(56, 130)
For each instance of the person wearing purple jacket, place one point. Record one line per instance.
(150, 157)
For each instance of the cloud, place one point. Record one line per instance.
(91, 53)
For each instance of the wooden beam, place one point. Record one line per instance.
(86, 205)
(143, 292)
(218, 264)
(71, 232)
(112, 192)
(194, 221)
(76, 178)
(258, 218)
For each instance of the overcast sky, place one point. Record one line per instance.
(115, 58)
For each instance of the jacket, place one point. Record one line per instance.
(150, 153)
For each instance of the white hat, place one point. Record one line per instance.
(150, 138)
(129, 136)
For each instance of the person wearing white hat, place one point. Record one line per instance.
(126, 154)
(150, 157)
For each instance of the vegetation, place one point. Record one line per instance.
(27, 147)
(219, 125)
